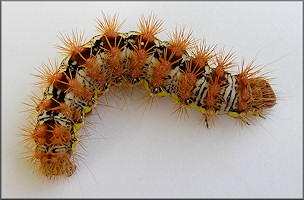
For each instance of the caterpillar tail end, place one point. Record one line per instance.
(263, 94)
(269, 97)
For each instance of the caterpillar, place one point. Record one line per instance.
(192, 74)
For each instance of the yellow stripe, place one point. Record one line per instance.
(175, 99)
(162, 94)
(192, 105)
(138, 83)
(75, 143)
(233, 114)
(87, 109)
(146, 85)
(76, 127)
(202, 110)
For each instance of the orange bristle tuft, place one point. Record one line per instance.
(45, 104)
(109, 27)
(249, 71)
(180, 41)
(213, 95)
(114, 56)
(59, 134)
(62, 108)
(193, 70)
(150, 27)
(72, 46)
(46, 73)
(40, 134)
(159, 72)
(139, 57)
(203, 53)
(77, 88)
(185, 88)
(224, 62)
(93, 69)
(187, 81)
(213, 99)
(246, 73)
(36, 100)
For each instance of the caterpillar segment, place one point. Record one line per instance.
(194, 76)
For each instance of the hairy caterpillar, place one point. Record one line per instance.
(153, 155)
(179, 68)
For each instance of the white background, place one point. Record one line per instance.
(154, 154)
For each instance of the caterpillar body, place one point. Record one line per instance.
(192, 75)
